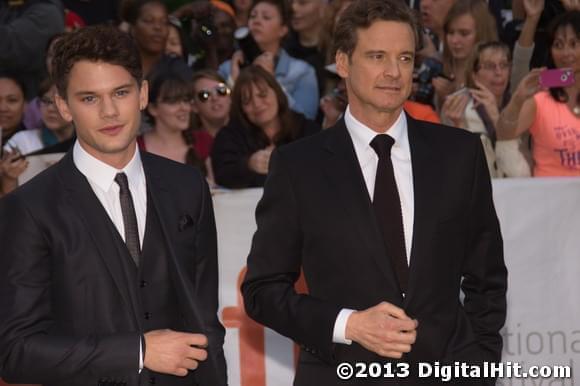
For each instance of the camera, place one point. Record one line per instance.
(430, 68)
(247, 44)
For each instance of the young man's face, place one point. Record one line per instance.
(379, 72)
(104, 102)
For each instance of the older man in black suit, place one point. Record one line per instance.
(108, 259)
(388, 217)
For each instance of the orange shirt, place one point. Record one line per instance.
(556, 138)
(421, 112)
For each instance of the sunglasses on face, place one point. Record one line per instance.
(220, 90)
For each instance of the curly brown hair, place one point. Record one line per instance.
(96, 44)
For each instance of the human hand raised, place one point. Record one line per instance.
(260, 160)
(454, 109)
(12, 165)
(172, 352)
(483, 96)
(528, 86)
(534, 8)
(266, 61)
(384, 329)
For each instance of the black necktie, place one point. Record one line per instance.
(129, 217)
(387, 205)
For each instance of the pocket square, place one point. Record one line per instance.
(185, 221)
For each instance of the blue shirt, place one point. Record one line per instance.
(298, 80)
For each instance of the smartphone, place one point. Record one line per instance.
(557, 77)
(462, 90)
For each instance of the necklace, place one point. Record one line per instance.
(576, 110)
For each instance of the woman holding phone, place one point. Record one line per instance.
(552, 115)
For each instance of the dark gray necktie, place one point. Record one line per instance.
(129, 217)
(387, 206)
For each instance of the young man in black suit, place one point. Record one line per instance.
(389, 218)
(108, 260)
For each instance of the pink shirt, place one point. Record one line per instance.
(556, 137)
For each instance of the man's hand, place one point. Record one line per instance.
(171, 352)
(384, 329)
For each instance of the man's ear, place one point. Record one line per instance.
(342, 64)
(62, 106)
(143, 95)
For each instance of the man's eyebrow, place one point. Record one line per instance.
(87, 92)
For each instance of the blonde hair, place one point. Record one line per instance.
(485, 25)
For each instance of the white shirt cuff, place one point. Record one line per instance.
(140, 355)
(339, 332)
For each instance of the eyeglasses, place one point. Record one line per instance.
(220, 90)
(490, 66)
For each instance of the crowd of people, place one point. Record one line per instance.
(230, 81)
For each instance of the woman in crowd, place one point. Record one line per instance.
(211, 106)
(260, 121)
(12, 105)
(169, 110)
(468, 23)
(268, 24)
(551, 116)
(242, 8)
(149, 25)
(175, 45)
(477, 108)
(54, 130)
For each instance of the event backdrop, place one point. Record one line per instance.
(540, 222)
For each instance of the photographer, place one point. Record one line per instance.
(212, 26)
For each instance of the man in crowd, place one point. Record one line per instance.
(389, 218)
(109, 261)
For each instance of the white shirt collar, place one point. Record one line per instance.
(362, 135)
(102, 174)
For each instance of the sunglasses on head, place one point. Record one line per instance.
(220, 90)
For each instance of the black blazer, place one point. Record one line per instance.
(67, 313)
(316, 215)
(233, 146)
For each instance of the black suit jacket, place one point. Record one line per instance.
(316, 214)
(67, 313)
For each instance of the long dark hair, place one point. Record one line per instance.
(170, 80)
(256, 75)
(572, 19)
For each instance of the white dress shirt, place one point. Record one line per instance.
(368, 159)
(101, 177)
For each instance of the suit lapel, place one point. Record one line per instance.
(343, 171)
(87, 206)
(426, 180)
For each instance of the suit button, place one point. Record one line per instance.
(152, 380)
(148, 315)
(143, 284)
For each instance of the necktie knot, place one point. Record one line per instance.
(382, 144)
(122, 181)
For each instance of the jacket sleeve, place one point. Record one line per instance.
(484, 271)
(274, 265)
(31, 348)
